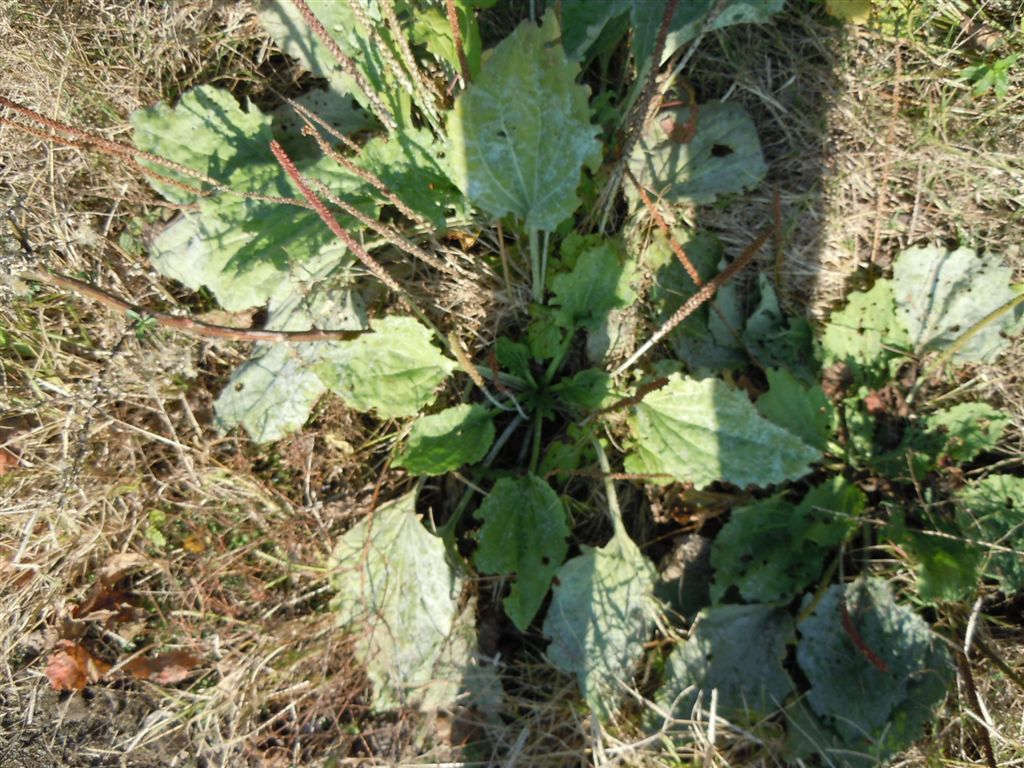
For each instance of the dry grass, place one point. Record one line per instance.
(117, 452)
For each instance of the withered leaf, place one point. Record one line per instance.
(71, 667)
(164, 668)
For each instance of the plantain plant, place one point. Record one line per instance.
(621, 366)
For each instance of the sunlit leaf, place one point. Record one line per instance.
(399, 597)
(521, 131)
(940, 294)
(993, 513)
(445, 441)
(703, 431)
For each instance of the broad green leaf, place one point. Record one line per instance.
(271, 394)
(600, 616)
(879, 690)
(413, 166)
(940, 294)
(737, 650)
(285, 24)
(773, 549)
(523, 535)
(245, 251)
(447, 440)
(399, 597)
(598, 283)
(969, 429)
(801, 409)
(723, 155)
(338, 110)
(430, 27)
(208, 132)
(521, 131)
(701, 432)
(947, 566)
(514, 357)
(866, 330)
(394, 370)
(993, 513)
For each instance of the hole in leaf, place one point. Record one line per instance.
(721, 150)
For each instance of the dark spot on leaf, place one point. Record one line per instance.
(721, 150)
(545, 560)
(239, 387)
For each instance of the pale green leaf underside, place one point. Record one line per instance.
(524, 535)
(270, 395)
(599, 618)
(398, 595)
(393, 371)
(521, 131)
(723, 155)
(940, 294)
(737, 650)
(704, 431)
(445, 441)
(861, 700)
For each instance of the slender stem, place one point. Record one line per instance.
(558, 359)
(538, 428)
(535, 266)
(186, 324)
(614, 511)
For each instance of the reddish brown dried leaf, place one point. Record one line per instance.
(71, 667)
(164, 668)
(8, 461)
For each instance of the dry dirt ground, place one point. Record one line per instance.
(129, 525)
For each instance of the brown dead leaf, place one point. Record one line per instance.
(164, 668)
(71, 667)
(8, 462)
(119, 565)
(194, 543)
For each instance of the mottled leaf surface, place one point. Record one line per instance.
(521, 131)
(940, 294)
(524, 535)
(704, 431)
(271, 394)
(878, 691)
(992, 511)
(397, 594)
(600, 615)
(598, 283)
(866, 329)
(723, 155)
(737, 650)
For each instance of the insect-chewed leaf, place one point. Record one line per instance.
(773, 549)
(940, 294)
(524, 534)
(602, 610)
(722, 156)
(398, 594)
(865, 330)
(704, 431)
(738, 650)
(445, 441)
(875, 668)
(521, 131)
(969, 428)
(394, 370)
